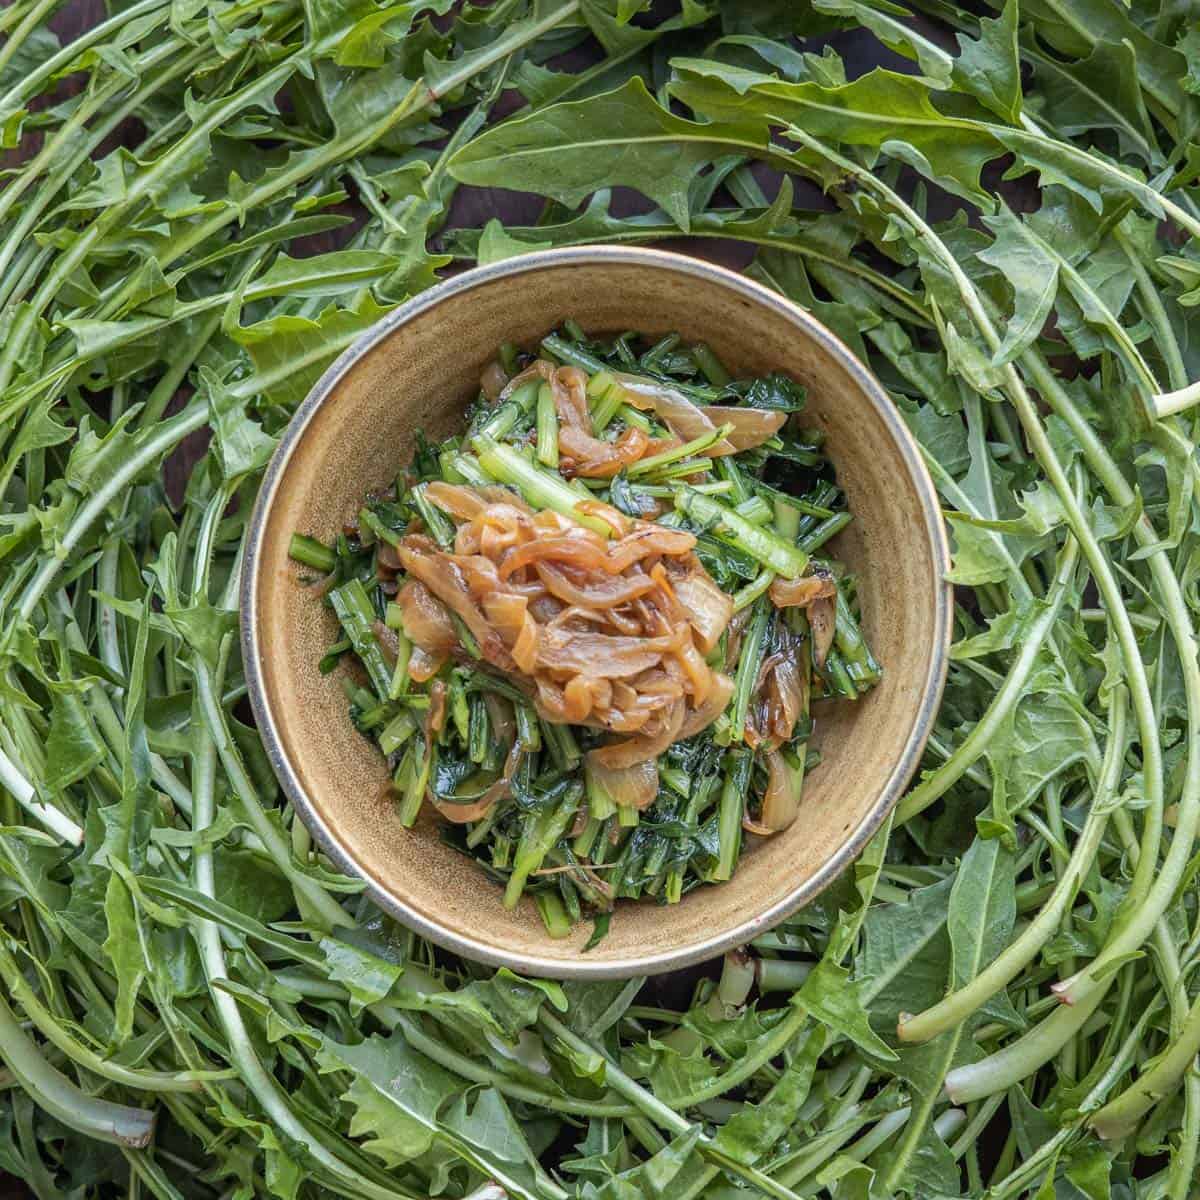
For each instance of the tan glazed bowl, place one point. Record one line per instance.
(416, 369)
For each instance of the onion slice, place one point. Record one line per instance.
(785, 697)
(686, 420)
(642, 749)
(708, 608)
(426, 622)
(464, 814)
(493, 380)
(716, 703)
(751, 426)
(800, 593)
(634, 786)
(611, 635)
(822, 618)
(781, 800)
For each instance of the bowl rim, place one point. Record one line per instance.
(757, 921)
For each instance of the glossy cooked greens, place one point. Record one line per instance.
(590, 626)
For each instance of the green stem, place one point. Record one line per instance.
(1120, 1117)
(1155, 312)
(148, 451)
(958, 1005)
(353, 608)
(211, 717)
(542, 488)
(935, 784)
(658, 1112)
(242, 1054)
(13, 43)
(29, 84)
(52, 1091)
(1024, 1056)
(731, 809)
(82, 1054)
(143, 185)
(749, 1065)
(1152, 888)
(1149, 893)
(765, 545)
(547, 428)
(750, 657)
(341, 149)
(65, 151)
(1045, 1154)
(446, 1056)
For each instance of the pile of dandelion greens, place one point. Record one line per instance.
(1001, 998)
(460, 725)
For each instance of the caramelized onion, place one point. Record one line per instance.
(478, 572)
(685, 419)
(751, 426)
(708, 608)
(492, 381)
(507, 613)
(544, 608)
(422, 665)
(591, 591)
(822, 617)
(446, 584)
(800, 593)
(635, 786)
(387, 558)
(596, 653)
(388, 641)
(781, 800)
(569, 388)
(785, 698)
(465, 814)
(699, 677)
(644, 541)
(705, 714)
(585, 453)
(616, 520)
(612, 635)
(641, 749)
(594, 458)
(524, 649)
(577, 699)
(752, 826)
(435, 718)
(461, 503)
(539, 369)
(426, 622)
(733, 643)
(578, 551)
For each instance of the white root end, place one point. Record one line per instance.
(1166, 404)
(1062, 990)
(23, 792)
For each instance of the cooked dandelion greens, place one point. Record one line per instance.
(592, 643)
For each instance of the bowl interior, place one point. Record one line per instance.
(418, 377)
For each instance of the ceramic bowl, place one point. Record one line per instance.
(415, 370)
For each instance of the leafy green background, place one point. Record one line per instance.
(204, 203)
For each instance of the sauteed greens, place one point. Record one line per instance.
(589, 628)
